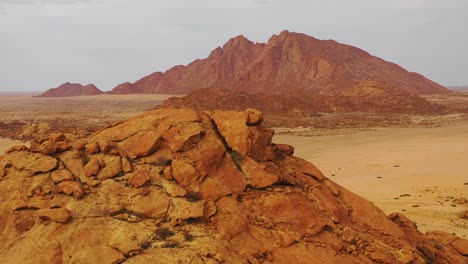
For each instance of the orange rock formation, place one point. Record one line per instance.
(181, 186)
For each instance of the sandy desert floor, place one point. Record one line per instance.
(417, 171)
(6, 144)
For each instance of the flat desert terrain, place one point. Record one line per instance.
(80, 115)
(420, 170)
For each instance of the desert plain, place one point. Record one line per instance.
(418, 168)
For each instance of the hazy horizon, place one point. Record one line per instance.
(48, 42)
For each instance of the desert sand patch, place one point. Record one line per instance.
(417, 171)
(6, 144)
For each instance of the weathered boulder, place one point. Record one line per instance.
(246, 140)
(461, 245)
(56, 137)
(31, 162)
(183, 209)
(184, 172)
(140, 178)
(184, 136)
(71, 188)
(60, 215)
(61, 175)
(141, 144)
(35, 131)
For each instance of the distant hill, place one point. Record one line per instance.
(303, 104)
(71, 89)
(289, 61)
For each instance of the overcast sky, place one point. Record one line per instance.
(44, 43)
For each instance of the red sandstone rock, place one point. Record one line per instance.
(140, 178)
(126, 165)
(92, 168)
(56, 137)
(254, 117)
(461, 245)
(35, 131)
(256, 173)
(216, 199)
(71, 188)
(92, 147)
(286, 149)
(141, 144)
(78, 144)
(183, 209)
(183, 137)
(61, 175)
(184, 172)
(60, 215)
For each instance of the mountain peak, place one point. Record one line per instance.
(239, 41)
(289, 61)
(285, 34)
(239, 38)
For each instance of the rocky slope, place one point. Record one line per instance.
(181, 186)
(71, 89)
(289, 61)
(124, 88)
(303, 104)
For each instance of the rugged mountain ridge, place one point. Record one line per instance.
(71, 89)
(289, 61)
(181, 186)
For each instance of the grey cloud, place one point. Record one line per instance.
(4, 4)
(40, 2)
(45, 43)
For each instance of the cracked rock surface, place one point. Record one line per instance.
(181, 186)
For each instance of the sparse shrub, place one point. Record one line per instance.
(163, 162)
(145, 245)
(163, 233)
(171, 244)
(236, 157)
(188, 237)
(199, 220)
(193, 196)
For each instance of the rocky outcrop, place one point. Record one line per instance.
(71, 89)
(181, 186)
(287, 62)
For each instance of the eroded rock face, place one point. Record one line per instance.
(181, 186)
